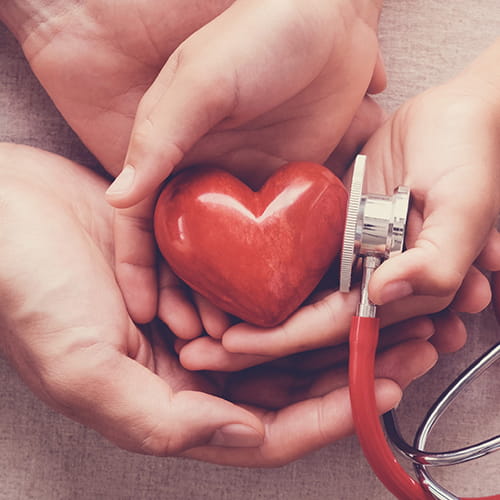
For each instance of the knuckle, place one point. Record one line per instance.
(447, 281)
(135, 221)
(157, 442)
(143, 131)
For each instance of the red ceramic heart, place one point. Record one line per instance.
(256, 255)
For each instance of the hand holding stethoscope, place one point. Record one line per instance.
(374, 231)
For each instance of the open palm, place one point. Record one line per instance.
(97, 59)
(65, 328)
(246, 84)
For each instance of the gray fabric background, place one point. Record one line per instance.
(44, 456)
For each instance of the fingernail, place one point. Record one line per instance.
(123, 183)
(236, 436)
(395, 290)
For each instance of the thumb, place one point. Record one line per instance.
(137, 410)
(177, 110)
(447, 242)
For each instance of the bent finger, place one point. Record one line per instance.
(175, 308)
(325, 322)
(137, 410)
(135, 259)
(215, 321)
(474, 294)
(300, 428)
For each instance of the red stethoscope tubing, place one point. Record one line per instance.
(363, 341)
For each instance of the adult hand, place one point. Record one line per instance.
(65, 328)
(251, 86)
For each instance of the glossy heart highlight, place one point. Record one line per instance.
(256, 255)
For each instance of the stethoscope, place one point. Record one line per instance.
(374, 231)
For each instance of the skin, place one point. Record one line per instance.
(102, 110)
(443, 145)
(128, 82)
(93, 364)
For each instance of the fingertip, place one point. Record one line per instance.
(475, 293)
(406, 362)
(143, 177)
(203, 353)
(117, 194)
(378, 82)
(489, 259)
(416, 271)
(215, 321)
(139, 291)
(207, 353)
(240, 338)
(393, 291)
(451, 333)
(182, 319)
(388, 394)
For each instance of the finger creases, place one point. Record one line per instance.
(177, 111)
(137, 410)
(300, 428)
(325, 322)
(135, 260)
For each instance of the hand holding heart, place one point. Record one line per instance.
(252, 111)
(285, 88)
(257, 255)
(452, 170)
(93, 364)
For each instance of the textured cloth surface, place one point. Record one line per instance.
(45, 456)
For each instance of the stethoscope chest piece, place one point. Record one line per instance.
(374, 230)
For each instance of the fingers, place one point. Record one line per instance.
(174, 113)
(215, 321)
(145, 293)
(317, 413)
(206, 353)
(451, 332)
(175, 308)
(489, 258)
(324, 322)
(134, 408)
(367, 119)
(135, 259)
(437, 264)
(474, 294)
(454, 230)
(300, 428)
(207, 81)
